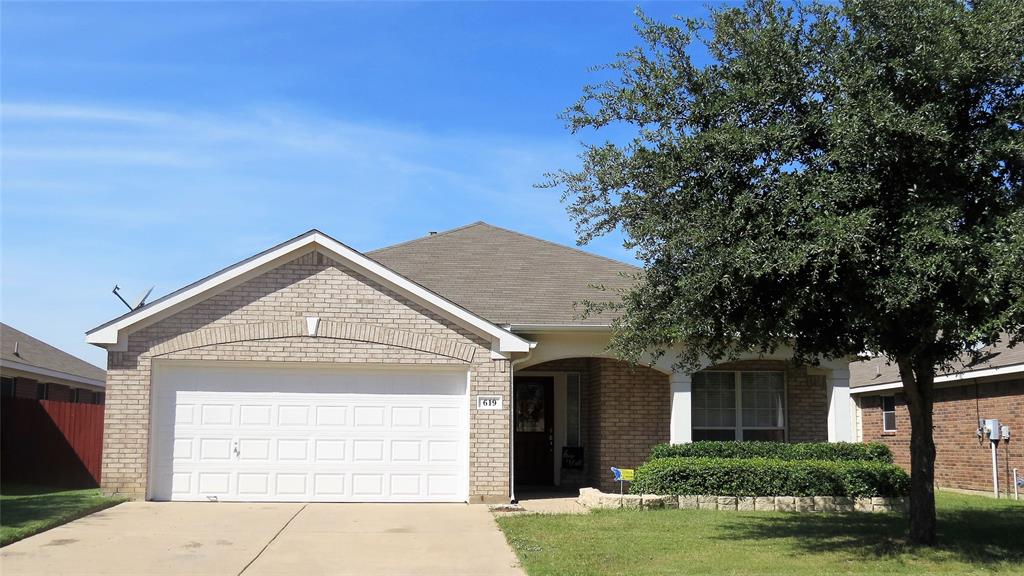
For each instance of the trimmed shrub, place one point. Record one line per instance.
(769, 477)
(831, 451)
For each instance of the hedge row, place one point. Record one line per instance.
(831, 451)
(769, 477)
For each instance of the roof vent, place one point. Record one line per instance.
(16, 352)
(431, 233)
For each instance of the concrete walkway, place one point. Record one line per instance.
(139, 538)
(543, 503)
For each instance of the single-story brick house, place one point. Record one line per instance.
(31, 368)
(990, 387)
(453, 367)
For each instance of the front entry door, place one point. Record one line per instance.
(534, 430)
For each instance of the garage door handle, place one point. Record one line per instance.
(235, 449)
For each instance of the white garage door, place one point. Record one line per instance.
(308, 434)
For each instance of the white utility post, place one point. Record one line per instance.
(681, 427)
(840, 422)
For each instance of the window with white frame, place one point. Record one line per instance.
(739, 406)
(888, 413)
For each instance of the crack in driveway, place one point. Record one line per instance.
(271, 541)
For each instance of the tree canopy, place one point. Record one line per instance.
(845, 178)
(841, 177)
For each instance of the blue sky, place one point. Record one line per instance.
(151, 144)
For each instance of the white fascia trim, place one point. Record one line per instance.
(558, 327)
(109, 334)
(51, 373)
(969, 375)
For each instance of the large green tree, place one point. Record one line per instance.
(841, 177)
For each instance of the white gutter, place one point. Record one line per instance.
(945, 379)
(51, 373)
(557, 327)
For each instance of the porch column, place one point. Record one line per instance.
(840, 416)
(681, 428)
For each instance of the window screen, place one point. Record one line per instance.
(738, 406)
(889, 413)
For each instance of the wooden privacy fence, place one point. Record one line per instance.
(50, 443)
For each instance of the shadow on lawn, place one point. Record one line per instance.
(978, 536)
(42, 504)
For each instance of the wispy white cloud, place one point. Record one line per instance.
(106, 194)
(41, 111)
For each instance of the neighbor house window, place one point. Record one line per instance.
(7, 387)
(888, 413)
(739, 406)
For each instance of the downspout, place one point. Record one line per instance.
(511, 426)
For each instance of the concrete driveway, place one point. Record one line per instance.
(262, 539)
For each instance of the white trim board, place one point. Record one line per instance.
(112, 333)
(945, 379)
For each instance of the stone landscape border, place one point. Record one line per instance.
(594, 498)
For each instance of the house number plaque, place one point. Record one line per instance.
(488, 402)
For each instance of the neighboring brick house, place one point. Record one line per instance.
(990, 387)
(31, 368)
(453, 367)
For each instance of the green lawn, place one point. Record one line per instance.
(977, 535)
(28, 510)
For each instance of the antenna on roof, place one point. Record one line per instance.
(121, 298)
(139, 302)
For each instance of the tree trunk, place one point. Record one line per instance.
(918, 379)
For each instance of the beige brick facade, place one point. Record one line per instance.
(961, 460)
(263, 319)
(625, 410)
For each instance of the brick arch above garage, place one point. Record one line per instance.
(321, 329)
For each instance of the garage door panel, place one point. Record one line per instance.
(328, 486)
(215, 449)
(298, 435)
(331, 415)
(257, 449)
(368, 417)
(254, 484)
(255, 415)
(406, 416)
(328, 450)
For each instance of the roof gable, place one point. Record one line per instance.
(112, 333)
(508, 277)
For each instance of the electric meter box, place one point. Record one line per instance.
(1004, 432)
(992, 428)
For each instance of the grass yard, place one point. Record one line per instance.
(978, 535)
(28, 510)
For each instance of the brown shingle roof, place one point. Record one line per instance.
(879, 371)
(35, 352)
(508, 277)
